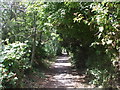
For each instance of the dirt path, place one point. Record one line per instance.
(61, 75)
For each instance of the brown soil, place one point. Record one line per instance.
(60, 75)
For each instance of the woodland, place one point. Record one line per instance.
(33, 34)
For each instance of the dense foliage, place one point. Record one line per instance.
(15, 61)
(88, 31)
(27, 41)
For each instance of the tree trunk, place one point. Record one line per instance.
(34, 41)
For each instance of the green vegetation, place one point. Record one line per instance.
(89, 31)
(15, 62)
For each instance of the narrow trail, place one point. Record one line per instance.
(62, 75)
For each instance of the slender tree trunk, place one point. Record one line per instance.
(34, 41)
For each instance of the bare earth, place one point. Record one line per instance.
(62, 75)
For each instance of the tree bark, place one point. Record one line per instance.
(34, 41)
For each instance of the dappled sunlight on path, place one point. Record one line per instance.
(61, 75)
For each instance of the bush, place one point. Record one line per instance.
(16, 59)
(100, 67)
(102, 78)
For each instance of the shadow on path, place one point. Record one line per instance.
(62, 75)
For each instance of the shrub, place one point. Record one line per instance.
(16, 59)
